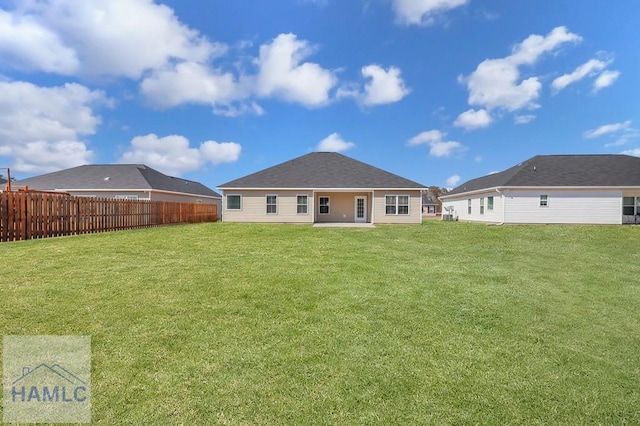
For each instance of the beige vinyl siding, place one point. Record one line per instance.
(254, 207)
(187, 198)
(341, 206)
(415, 207)
(145, 195)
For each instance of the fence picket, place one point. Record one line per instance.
(29, 215)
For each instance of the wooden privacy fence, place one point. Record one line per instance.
(29, 215)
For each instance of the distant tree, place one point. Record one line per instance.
(431, 196)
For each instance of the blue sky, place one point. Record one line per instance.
(438, 91)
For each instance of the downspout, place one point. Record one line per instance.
(373, 206)
(504, 204)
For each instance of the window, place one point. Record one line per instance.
(481, 205)
(544, 201)
(469, 206)
(403, 204)
(397, 204)
(303, 204)
(631, 206)
(234, 202)
(489, 203)
(628, 206)
(272, 204)
(324, 205)
(126, 197)
(390, 204)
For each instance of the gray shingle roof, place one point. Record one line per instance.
(322, 170)
(115, 176)
(562, 170)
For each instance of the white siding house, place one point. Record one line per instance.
(580, 189)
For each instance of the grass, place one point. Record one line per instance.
(444, 323)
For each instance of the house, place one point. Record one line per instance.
(123, 181)
(597, 189)
(322, 187)
(429, 204)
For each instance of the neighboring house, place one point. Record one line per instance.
(429, 204)
(598, 189)
(124, 181)
(3, 183)
(322, 187)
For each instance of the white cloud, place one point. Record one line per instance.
(384, 86)
(437, 146)
(145, 41)
(174, 155)
(189, 82)
(40, 127)
(27, 45)
(444, 148)
(473, 119)
(635, 152)
(43, 156)
(452, 181)
(524, 119)
(95, 37)
(426, 137)
(282, 74)
(589, 68)
(220, 152)
(496, 83)
(334, 143)
(606, 129)
(239, 109)
(606, 79)
(422, 12)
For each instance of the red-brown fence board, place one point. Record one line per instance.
(29, 215)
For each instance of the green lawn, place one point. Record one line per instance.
(443, 323)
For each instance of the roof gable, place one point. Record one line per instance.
(115, 177)
(561, 171)
(322, 170)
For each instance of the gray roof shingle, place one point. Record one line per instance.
(562, 170)
(322, 170)
(115, 176)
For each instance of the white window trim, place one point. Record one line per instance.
(546, 200)
(266, 204)
(226, 203)
(328, 205)
(397, 205)
(635, 205)
(481, 205)
(298, 205)
(490, 204)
